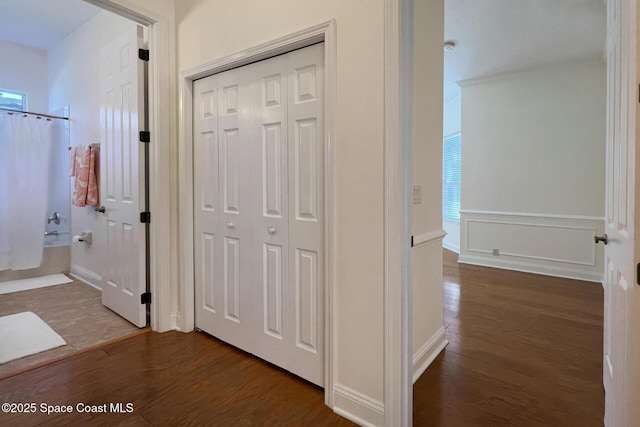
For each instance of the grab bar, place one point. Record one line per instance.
(50, 233)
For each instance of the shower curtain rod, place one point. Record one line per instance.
(39, 115)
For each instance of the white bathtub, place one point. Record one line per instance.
(55, 259)
(62, 238)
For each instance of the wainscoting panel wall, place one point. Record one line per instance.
(554, 245)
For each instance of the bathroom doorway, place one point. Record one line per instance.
(61, 78)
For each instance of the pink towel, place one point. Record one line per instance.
(72, 160)
(86, 184)
(92, 191)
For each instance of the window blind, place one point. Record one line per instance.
(451, 177)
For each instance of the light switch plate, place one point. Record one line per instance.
(417, 194)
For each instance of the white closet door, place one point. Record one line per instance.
(209, 291)
(235, 275)
(260, 261)
(306, 211)
(270, 194)
(223, 208)
(122, 176)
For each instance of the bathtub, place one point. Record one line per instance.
(56, 258)
(56, 238)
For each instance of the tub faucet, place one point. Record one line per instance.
(55, 218)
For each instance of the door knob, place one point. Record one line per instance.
(101, 209)
(271, 230)
(604, 239)
(229, 224)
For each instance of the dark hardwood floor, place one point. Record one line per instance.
(523, 350)
(172, 379)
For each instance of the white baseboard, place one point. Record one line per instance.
(86, 276)
(451, 246)
(545, 270)
(357, 407)
(452, 239)
(428, 352)
(176, 321)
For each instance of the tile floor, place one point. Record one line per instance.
(74, 311)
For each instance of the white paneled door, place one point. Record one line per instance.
(622, 293)
(259, 209)
(122, 176)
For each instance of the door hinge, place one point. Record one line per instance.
(145, 217)
(638, 274)
(145, 298)
(145, 136)
(143, 54)
(411, 241)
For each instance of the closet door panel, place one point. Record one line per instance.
(270, 210)
(206, 210)
(235, 163)
(306, 208)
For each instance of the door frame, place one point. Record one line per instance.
(325, 32)
(398, 212)
(161, 109)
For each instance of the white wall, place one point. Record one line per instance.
(74, 67)
(452, 118)
(428, 331)
(533, 170)
(452, 124)
(24, 69)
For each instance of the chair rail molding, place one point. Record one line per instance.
(428, 238)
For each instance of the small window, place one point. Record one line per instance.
(451, 178)
(13, 100)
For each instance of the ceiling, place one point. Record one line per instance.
(42, 23)
(500, 36)
(491, 36)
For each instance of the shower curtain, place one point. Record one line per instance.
(25, 144)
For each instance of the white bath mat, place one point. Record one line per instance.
(35, 283)
(24, 334)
